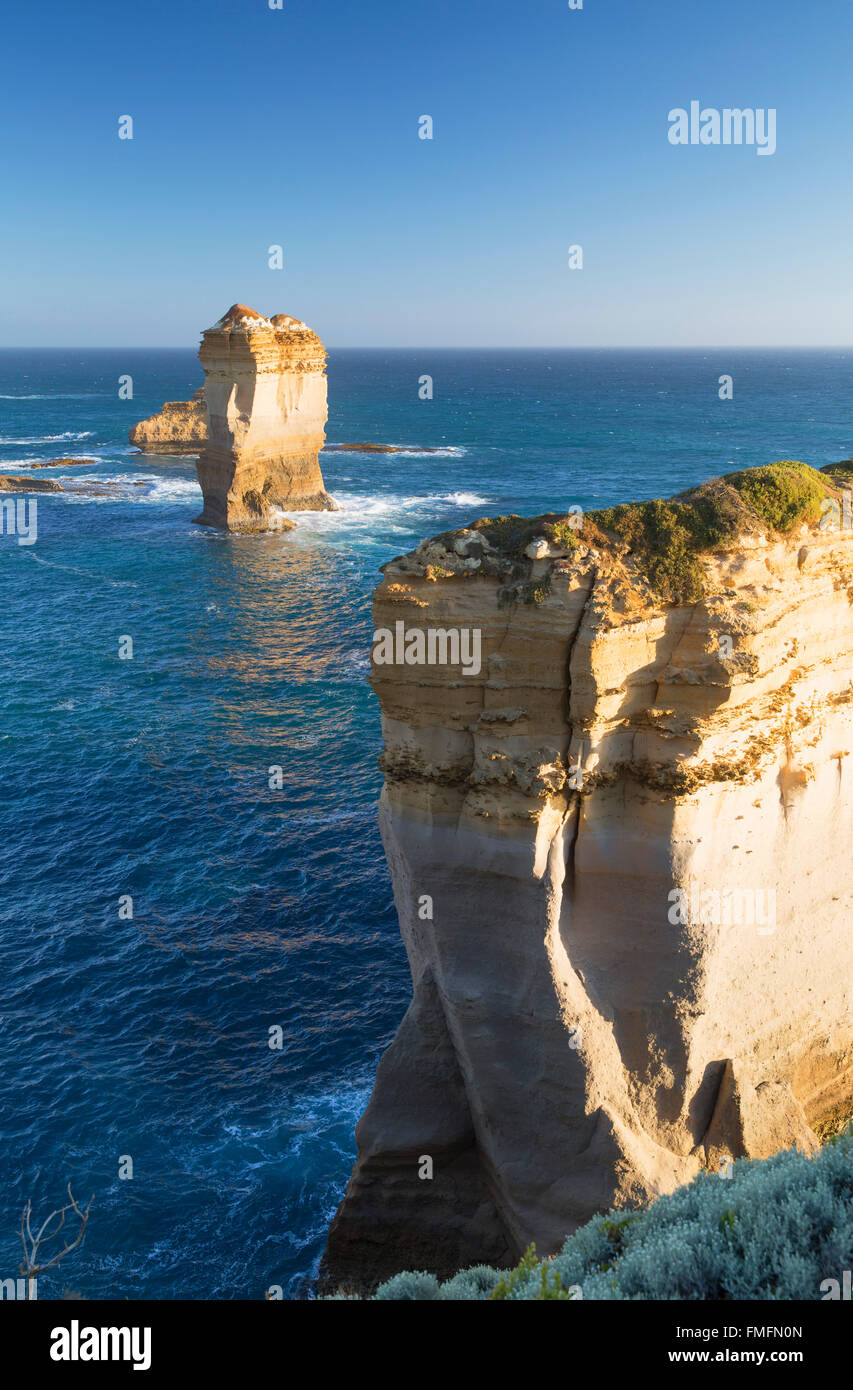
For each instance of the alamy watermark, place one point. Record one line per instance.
(833, 1289)
(19, 517)
(835, 516)
(724, 907)
(25, 1289)
(708, 125)
(433, 646)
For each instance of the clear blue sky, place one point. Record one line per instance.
(300, 127)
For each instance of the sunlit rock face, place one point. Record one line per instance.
(179, 428)
(265, 386)
(621, 863)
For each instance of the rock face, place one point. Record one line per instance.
(265, 385)
(179, 428)
(620, 863)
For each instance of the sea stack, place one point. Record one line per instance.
(179, 428)
(265, 387)
(621, 862)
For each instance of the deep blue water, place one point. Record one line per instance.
(255, 907)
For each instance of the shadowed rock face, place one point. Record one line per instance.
(265, 386)
(620, 857)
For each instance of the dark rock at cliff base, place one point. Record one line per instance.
(65, 463)
(8, 483)
(85, 488)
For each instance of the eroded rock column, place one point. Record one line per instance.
(265, 387)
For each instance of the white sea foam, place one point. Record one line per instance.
(405, 451)
(32, 463)
(354, 661)
(174, 490)
(123, 487)
(358, 509)
(453, 451)
(50, 438)
(464, 499)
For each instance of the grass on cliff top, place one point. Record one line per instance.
(511, 534)
(666, 537)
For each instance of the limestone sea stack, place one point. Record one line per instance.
(179, 428)
(620, 850)
(265, 386)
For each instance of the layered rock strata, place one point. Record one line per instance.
(179, 428)
(265, 386)
(620, 863)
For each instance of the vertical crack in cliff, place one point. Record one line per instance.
(574, 796)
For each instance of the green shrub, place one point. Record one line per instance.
(472, 1285)
(667, 537)
(840, 473)
(413, 1285)
(782, 494)
(775, 1229)
(505, 533)
(662, 539)
(562, 533)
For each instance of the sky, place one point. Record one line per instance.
(299, 127)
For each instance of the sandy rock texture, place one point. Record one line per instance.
(179, 428)
(621, 863)
(265, 386)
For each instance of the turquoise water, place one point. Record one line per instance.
(255, 907)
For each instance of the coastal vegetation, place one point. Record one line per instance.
(666, 538)
(776, 1228)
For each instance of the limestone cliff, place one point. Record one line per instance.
(619, 856)
(179, 428)
(265, 386)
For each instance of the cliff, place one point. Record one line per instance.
(618, 846)
(265, 386)
(179, 428)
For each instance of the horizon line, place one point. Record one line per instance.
(467, 347)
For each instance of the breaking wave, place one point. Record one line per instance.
(50, 438)
(361, 507)
(405, 451)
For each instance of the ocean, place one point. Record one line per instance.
(258, 907)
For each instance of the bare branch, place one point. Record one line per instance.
(30, 1265)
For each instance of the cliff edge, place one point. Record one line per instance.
(616, 809)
